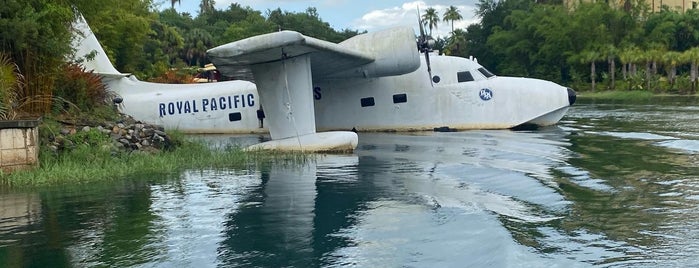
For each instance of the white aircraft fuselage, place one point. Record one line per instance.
(406, 102)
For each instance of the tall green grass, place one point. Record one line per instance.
(633, 95)
(92, 163)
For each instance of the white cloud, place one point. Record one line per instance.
(406, 15)
(353, 14)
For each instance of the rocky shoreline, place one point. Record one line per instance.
(126, 134)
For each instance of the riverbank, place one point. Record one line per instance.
(630, 96)
(126, 148)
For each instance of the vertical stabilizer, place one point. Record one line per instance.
(88, 50)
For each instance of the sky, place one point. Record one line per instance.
(370, 15)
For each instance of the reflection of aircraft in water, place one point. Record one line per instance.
(371, 82)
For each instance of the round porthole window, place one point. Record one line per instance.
(436, 79)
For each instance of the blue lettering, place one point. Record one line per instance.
(229, 102)
(222, 103)
(171, 108)
(251, 100)
(161, 107)
(194, 106)
(236, 100)
(187, 107)
(204, 103)
(213, 104)
(316, 93)
(179, 107)
(242, 97)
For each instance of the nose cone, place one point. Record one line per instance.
(571, 96)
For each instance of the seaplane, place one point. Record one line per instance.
(313, 95)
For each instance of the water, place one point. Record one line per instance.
(613, 185)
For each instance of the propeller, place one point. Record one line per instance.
(425, 43)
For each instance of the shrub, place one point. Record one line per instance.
(84, 90)
(10, 83)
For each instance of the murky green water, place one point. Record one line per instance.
(612, 185)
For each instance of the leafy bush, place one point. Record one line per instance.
(84, 90)
(178, 76)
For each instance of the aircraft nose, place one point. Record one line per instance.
(571, 96)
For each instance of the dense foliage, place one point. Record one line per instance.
(587, 43)
(138, 38)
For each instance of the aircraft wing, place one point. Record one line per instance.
(369, 55)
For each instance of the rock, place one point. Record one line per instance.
(125, 134)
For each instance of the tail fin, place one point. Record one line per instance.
(89, 52)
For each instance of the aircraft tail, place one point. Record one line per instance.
(89, 52)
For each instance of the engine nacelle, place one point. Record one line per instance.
(394, 50)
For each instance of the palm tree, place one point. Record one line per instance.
(591, 56)
(692, 56)
(430, 19)
(206, 6)
(197, 41)
(611, 52)
(457, 43)
(671, 59)
(452, 14)
(625, 59)
(172, 3)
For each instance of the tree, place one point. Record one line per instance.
(692, 56)
(207, 6)
(629, 57)
(172, 3)
(197, 41)
(671, 59)
(430, 19)
(35, 38)
(610, 52)
(456, 43)
(591, 56)
(452, 14)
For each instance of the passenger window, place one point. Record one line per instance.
(485, 72)
(464, 76)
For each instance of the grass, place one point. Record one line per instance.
(89, 163)
(618, 95)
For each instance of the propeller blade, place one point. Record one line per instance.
(423, 45)
(429, 68)
(419, 23)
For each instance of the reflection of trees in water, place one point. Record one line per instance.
(637, 209)
(98, 224)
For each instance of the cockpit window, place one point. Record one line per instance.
(485, 72)
(464, 76)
